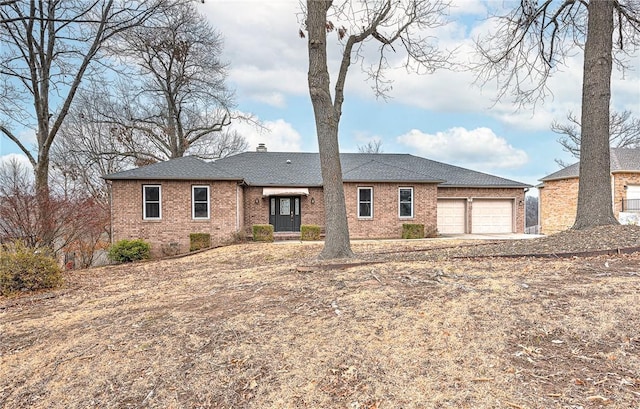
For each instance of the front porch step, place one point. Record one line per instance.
(282, 236)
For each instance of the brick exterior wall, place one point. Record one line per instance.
(386, 222)
(559, 200)
(236, 209)
(176, 223)
(517, 195)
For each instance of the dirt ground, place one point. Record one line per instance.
(405, 325)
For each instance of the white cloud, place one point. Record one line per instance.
(278, 135)
(269, 85)
(479, 149)
(17, 157)
(266, 56)
(268, 65)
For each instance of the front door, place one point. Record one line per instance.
(284, 213)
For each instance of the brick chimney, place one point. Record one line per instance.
(261, 147)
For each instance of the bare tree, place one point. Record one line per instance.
(180, 103)
(47, 48)
(529, 45)
(624, 132)
(390, 25)
(531, 210)
(18, 215)
(79, 224)
(373, 146)
(86, 149)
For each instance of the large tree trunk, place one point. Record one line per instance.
(45, 218)
(336, 244)
(594, 197)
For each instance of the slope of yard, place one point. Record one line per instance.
(267, 326)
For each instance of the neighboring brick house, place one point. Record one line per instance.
(165, 202)
(559, 191)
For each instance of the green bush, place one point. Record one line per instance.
(126, 251)
(412, 231)
(24, 268)
(262, 232)
(199, 241)
(309, 232)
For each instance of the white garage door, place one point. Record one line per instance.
(451, 216)
(492, 216)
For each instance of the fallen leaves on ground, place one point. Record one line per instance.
(403, 325)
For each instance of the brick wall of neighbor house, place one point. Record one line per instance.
(177, 222)
(257, 208)
(558, 204)
(619, 182)
(517, 195)
(386, 222)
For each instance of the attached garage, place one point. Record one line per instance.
(492, 216)
(452, 216)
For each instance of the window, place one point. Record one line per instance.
(405, 201)
(151, 202)
(200, 200)
(365, 202)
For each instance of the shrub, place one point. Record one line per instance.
(25, 268)
(199, 241)
(309, 232)
(126, 251)
(262, 232)
(412, 231)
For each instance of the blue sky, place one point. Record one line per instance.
(441, 116)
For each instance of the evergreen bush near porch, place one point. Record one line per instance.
(309, 232)
(262, 232)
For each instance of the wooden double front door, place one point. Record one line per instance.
(284, 213)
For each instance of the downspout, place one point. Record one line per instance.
(237, 208)
(110, 211)
(524, 204)
(613, 193)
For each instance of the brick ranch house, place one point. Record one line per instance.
(559, 191)
(165, 202)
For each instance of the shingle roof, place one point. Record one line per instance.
(625, 159)
(303, 169)
(622, 160)
(185, 168)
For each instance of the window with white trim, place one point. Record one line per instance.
(151, 202)
(365, 202)
(200, 202)
(405, 202)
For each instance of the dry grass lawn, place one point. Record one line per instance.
(267, 326)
